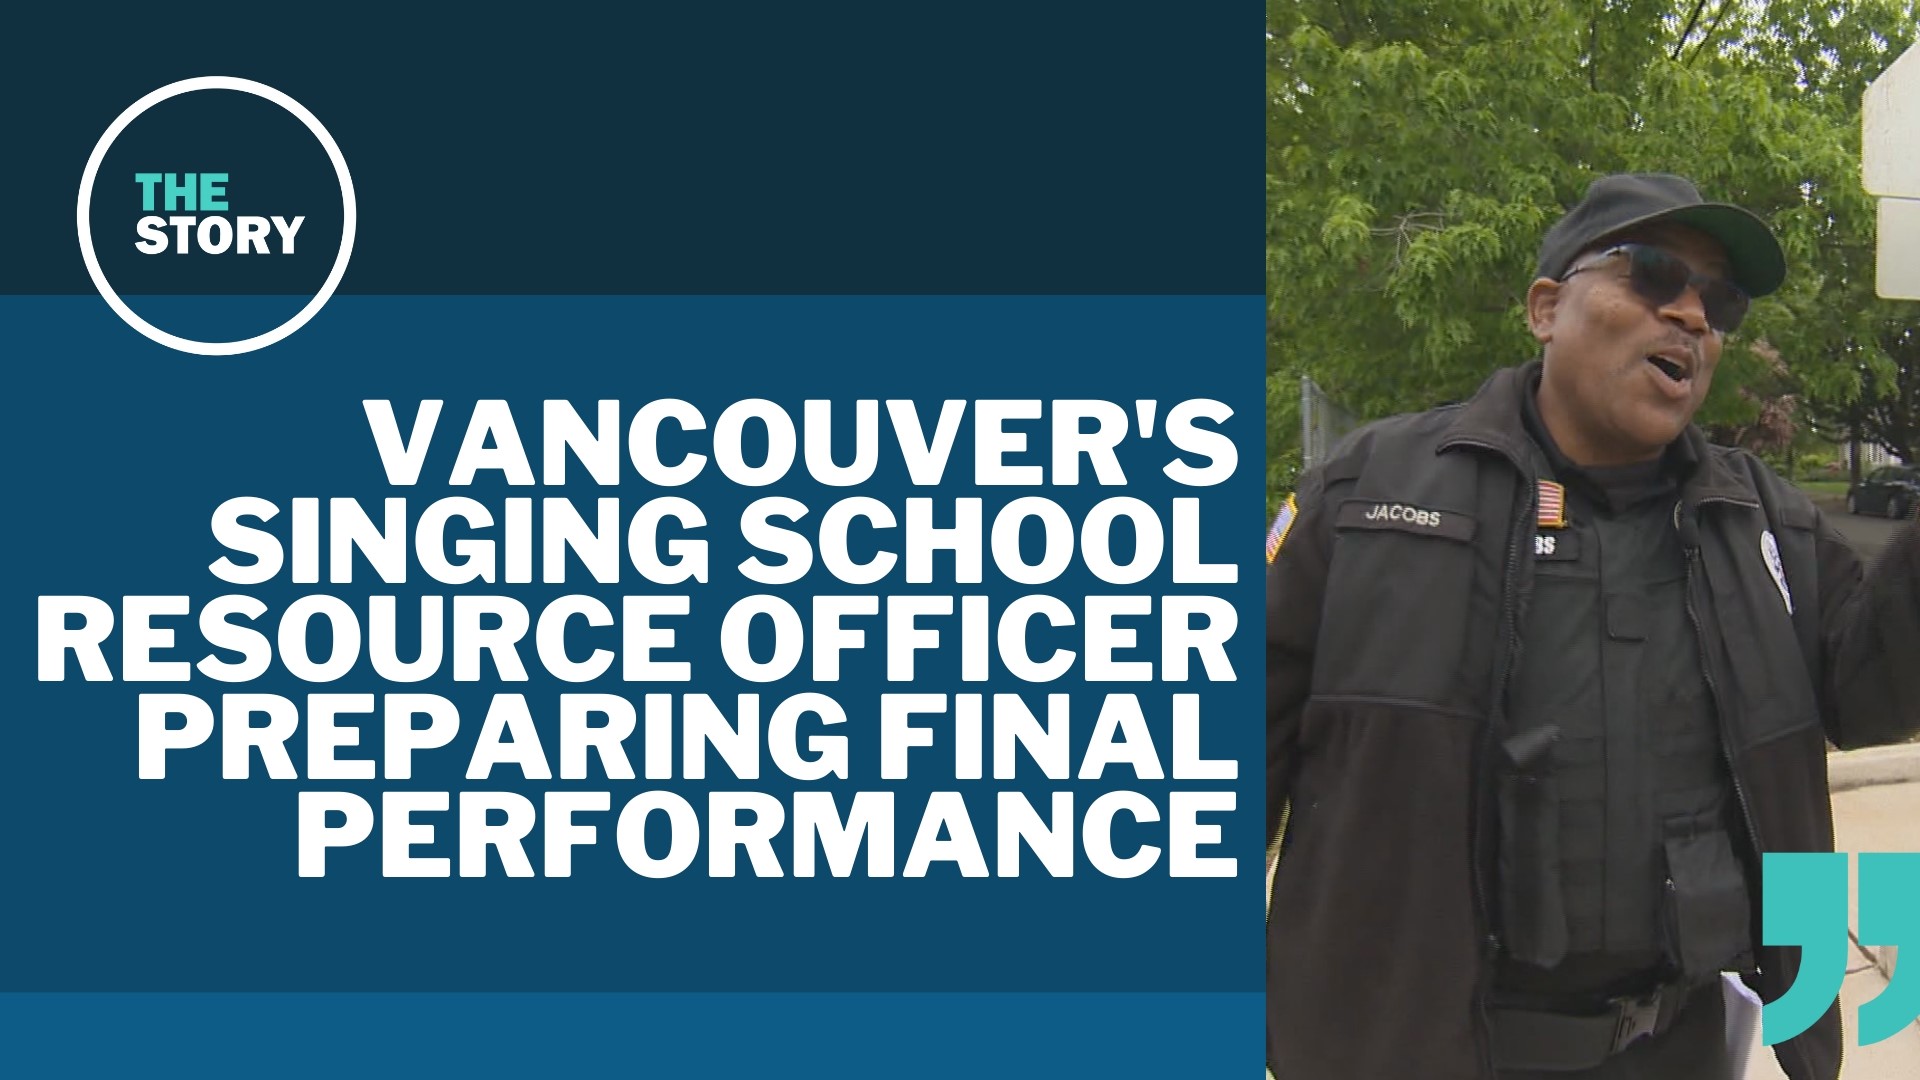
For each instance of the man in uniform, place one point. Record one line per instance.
(1546, 673)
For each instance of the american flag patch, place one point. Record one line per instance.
(1281, 525)
(1553, 505)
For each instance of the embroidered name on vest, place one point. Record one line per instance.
(1557, 547)
(1401, 517)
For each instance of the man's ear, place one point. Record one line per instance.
(1543, 307)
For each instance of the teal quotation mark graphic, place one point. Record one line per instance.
(1805, 904)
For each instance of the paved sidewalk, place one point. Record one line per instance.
(1876, 807)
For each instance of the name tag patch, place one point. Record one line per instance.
(1557, 547)
(1404, 517)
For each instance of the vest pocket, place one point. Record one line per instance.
(1532, 898)
(1706, 917)
(1397, 615)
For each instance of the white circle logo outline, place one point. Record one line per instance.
(349, 214)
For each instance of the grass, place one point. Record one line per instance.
(1835, 488)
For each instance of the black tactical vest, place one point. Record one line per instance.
(1614, 760)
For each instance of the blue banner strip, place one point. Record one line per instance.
(763, 1035)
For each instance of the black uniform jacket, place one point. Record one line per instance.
(1392, 614)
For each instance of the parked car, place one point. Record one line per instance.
(1892, 490)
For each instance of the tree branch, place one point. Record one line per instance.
(1713, 29)
(1693, 20)
(1403, 230)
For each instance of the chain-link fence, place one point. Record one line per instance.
(1322, 423)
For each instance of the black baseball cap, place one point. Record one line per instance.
(1619, 202)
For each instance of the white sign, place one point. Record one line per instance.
(1890, 168)
(1897, 250)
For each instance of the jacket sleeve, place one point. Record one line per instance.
(1296, 586)
(1870, 637)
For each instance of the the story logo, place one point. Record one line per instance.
(186, 213)
(204, 228)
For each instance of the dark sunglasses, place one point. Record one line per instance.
(1661, 276)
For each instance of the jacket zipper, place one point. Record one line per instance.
(1706, 670)
(1694, 576)
(1484, 754)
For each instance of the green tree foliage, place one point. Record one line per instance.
(1886, 410)
(1417, 151)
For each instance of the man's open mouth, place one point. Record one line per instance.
(1672, 369)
